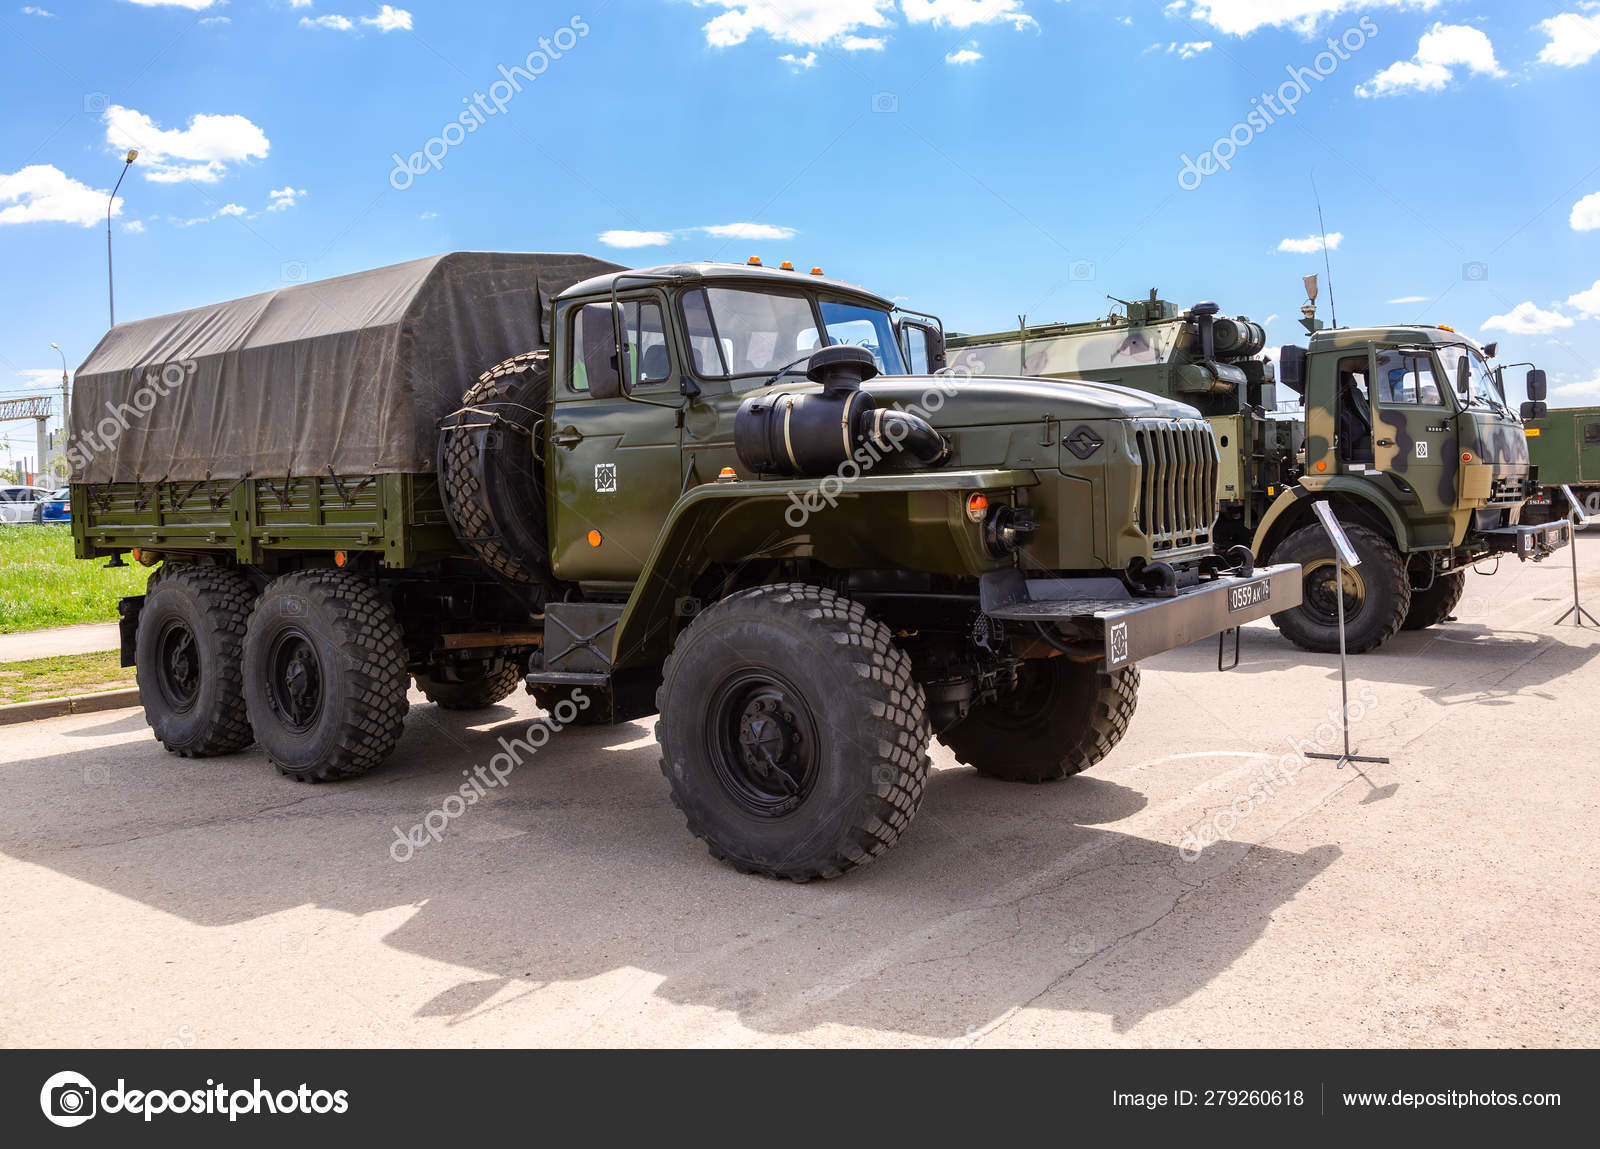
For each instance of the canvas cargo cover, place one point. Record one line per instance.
(352, 373)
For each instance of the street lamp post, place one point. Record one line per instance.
(66, 410)
(111, 286)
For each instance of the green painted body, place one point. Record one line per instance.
(665, 522)
(1565, 446)
(1441, 472)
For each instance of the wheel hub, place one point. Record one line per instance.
(295, 685)
(180, 666)
(1321, 597)
(762, 743)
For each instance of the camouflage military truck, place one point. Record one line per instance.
(1565, 446)
(1428, 470)
(710, 491)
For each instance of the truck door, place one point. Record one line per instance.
(612, 451)
(1414, 432)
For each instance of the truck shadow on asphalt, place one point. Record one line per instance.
(1000, 898)
(1455, 663)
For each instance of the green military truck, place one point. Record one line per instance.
(1565, 446)
(713, 492)
(1428, 469)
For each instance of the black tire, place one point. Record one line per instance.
(1437, 603)
(325, 675)
(1063, 718)
(1377, 595)
(806, 676)
(597, 713)
(189, 660)
(490, 474)
(473, 694)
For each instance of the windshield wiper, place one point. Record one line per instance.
(784, 370)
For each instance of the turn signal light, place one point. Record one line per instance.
(1466, 456)
(341, 558)
(1322, 466)
(727, 475)
(977, 507)
(596, 538)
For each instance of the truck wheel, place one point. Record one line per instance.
(1062, 718)
(1435, 604)
(324, 675)
(489, 473)
(792, 733)
(475, 693)
(1377, 594)
(189, 660)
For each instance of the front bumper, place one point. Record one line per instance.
(1530, 542)
(1131, 629)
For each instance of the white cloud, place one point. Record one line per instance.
(134, 227)
(749, 231)
(30, 10)
(799, 63)
(1410, 299)
(217, 20)
(1311, 243)
(623, 238)
(808, 23)
(1242, 17)
(42, 193)
(1587, 302)
(1586, 213)
(233, 209)
(389, 19)
(192, 5)
(284, 198)
(1527, 319)
(1579, 394)
(1574, 39)
(966, 13)
(429, 215)
(967, 55)
(1189, 49)
(1439, 51)
(332, 23)
(201, 152)
(818, 23)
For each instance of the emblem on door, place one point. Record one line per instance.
(605, 478)
(1422, 448)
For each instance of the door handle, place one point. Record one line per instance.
(568, 437)
(1385, 442)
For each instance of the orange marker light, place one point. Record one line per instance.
(1322, 466)
(816, 271)
(1466, 456)
(755, 261)
(1451, 330)
(786, 266)
(977, 507)
(596, 538)
(340, 558)
(727, 473)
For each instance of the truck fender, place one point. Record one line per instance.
(734, 522)
(1292, 509)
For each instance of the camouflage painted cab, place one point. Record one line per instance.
(1406, 430)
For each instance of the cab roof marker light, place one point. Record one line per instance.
(754, 261)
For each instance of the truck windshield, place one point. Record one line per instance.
(737, 332)
(1481, 386)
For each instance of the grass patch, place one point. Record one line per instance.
(62, 676)
(42, 585)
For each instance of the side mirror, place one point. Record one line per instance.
(1537, 390)
(1292, 368)
(937, 360)
(601, 338)
(1531, 411)
(1464, 375)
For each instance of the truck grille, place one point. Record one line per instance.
(1178, 483)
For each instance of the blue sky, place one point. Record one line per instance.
(975, 158)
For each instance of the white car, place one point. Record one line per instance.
(17, 504)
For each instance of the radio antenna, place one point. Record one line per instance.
(1327, 265)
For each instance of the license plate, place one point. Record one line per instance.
(1248, 595)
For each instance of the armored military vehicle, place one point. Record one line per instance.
(706, 490)
(1404, 429)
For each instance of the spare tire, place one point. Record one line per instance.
(491, 470)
